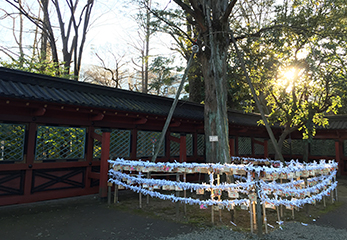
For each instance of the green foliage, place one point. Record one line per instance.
(307, 38)
(163, 76)
(34, 65)
(175, 23)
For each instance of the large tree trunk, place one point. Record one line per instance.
(214, 65)
(211, 18)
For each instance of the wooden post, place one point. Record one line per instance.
(254, 215)
(259, 220)
(185, 193)
(105, 152)
(177, 195)
(148, 177)
(281, 206)
(115, 200)
(219, 198)
(109, 186)
(140, 200)
(278, 215)
(336, 199)
(265, 219)
(251, 216)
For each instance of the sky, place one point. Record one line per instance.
(113, 28)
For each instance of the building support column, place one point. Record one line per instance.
(105, 152)
(338, 158)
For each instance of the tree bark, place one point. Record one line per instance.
(211, 19)
(214, 65)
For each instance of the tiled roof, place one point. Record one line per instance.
(29, 86)
(337, 122)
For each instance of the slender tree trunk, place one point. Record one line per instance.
(21, 52)
(48, 31)
(148, 33)
(84, 36)
(44, 37)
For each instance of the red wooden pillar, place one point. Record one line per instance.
(183, 148)
(105, 152)
(30, 156)
(338, 158)
(232, 146)
(89, 154)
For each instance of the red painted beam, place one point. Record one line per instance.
(140, 121)
(175, 124)
(39, 112)
(97, 117)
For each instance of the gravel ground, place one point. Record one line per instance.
(290, 231)
(330, 226)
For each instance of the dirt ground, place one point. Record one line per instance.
(89, 218)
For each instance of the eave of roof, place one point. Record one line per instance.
(30, 86)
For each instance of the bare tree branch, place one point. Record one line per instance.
(228, 10)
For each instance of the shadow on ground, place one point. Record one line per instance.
(80, 218)
(89, 218)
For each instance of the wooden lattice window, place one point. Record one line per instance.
(147, 142)
(258, 148)
(175, 146)
(12, 137)
(245, 145)
(120, 142)
(201, 144)
(322, 147)
(189, 144)
(297, 146)
(54, 143)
